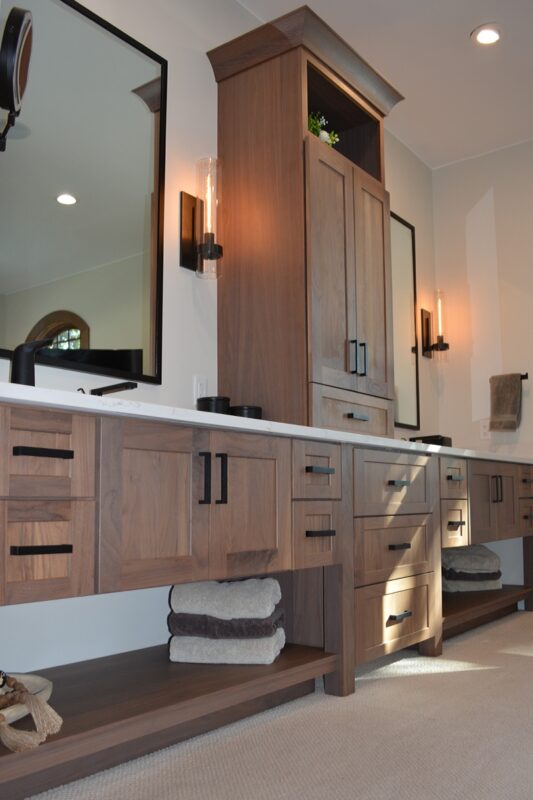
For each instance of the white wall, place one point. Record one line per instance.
(483, 250)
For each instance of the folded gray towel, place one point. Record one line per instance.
(467, 575)
(505, 402)
(252, 598)
(197, 650)
(470, 586)
(213, 628)
(474, 558)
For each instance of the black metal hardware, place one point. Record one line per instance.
(453, 525)
(402, 546)
(321, 470)
(499, 482)
(42, 452)
(456, 478)
(494, 495)
(524, 376)
(40, 549)
(114, 387)
(311, 534)
(206, 499)
(527, 516)
(527, 480)
(223, 478)
(398, 483)
(365, 359)
(23, 361)
(352, 356)
(358, 416)
(400, 617)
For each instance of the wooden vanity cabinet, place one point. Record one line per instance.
(494, 506)
(181, 504)
(304, 293)
(454, 511)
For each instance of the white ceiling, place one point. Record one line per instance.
(460, 100)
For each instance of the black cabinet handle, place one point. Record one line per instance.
(527, 516)
(454, 525)
(400, 617)
(456, 478)
(494, 494)
(312, 534)
(402, 546)
(499, 486)
(365, 359)
(42, 452)
(206, 499)
(223, 478)
(40, 549)
(527, 480)
(398, 483)
(352, 356)
(358, 416)
(320, 470)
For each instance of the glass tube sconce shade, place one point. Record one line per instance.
(428, 345)
(199, 250)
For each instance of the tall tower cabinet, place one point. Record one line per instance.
(304, 297)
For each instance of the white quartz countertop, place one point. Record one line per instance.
(76, 401)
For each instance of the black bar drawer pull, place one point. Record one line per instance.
(456, 478)
(400, 617)
(42, 452)
(358, 416)
(312, 534)
(365, 359)
(321, 470)
(40, 549)
(206, 499)
(453, 525)
(352, 356)
(223, 479)
(402, 546)
(527, 516)
(527, 480)
(398, 483)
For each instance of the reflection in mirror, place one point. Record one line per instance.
(403, 266)
(91, 126)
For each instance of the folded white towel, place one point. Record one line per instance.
(199, 650)
(254, 598)
(470, 586)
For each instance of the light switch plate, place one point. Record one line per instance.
(199, 387)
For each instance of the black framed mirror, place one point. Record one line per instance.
(92, 126)
(406, 379)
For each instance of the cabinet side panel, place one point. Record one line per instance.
(261, 291)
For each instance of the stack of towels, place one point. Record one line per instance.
(470, 569)
(236, 622)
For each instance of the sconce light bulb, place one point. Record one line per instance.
(66, 199)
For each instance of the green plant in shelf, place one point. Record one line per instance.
(316, 122)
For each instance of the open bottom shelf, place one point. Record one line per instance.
(464, 610)
(123, 706)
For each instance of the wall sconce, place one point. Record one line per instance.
(428, 345)
(199, 250)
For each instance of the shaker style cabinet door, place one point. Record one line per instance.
(250, 510)
(154, 529)
(494, 505)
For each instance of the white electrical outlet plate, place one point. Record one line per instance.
(199, 387)
(484, 432)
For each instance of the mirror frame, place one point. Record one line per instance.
(415, 348)
(160, 174)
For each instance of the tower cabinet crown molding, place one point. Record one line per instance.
(304, 296)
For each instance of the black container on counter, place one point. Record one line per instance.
(254, 412)
(218, 404)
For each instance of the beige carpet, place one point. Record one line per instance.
(459, 726)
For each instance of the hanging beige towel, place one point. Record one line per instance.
(505, 402)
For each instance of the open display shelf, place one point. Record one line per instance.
(123, 706)
(464, 610)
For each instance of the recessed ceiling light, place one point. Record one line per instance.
(66, 199)
(486, 34)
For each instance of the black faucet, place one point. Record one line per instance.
(23, 361)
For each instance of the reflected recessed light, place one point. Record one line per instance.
(66, 199)
(486, 34)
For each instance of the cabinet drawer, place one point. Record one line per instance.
(350, 411)
(48, 549)
(393, 547)
(46, 454)
(455, 528)
(525, 480)
(390, 616)
(393, 483)
(315, 533)
(316, 470)
(453, 477)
